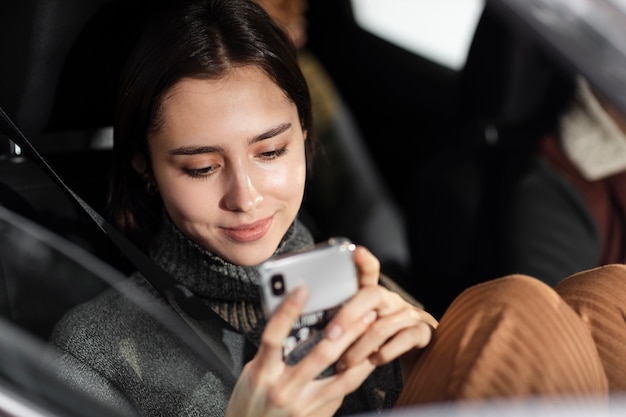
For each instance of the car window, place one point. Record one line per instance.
(440, 30)
(42, 277)
(586, 35)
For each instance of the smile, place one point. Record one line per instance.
(249, 232)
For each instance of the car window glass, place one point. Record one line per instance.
(42, 277)
(439, 30)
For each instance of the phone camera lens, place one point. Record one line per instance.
(278, 284)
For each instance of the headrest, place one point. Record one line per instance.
(509, 79)
(61, 61)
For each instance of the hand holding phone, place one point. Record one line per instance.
(328, 271)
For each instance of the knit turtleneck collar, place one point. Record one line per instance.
(231, 290)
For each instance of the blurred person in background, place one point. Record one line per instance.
(568, 211)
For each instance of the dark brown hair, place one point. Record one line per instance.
(201, 39)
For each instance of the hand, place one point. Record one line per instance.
(398, 328)
(269, 387)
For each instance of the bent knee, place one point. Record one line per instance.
(607, 278)
(516, 293)
(597, 293)
(513, 287)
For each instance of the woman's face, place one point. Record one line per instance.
(230, 164)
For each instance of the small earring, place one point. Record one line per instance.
(151, 189)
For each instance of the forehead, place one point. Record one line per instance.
(242, 101)
(237, 80)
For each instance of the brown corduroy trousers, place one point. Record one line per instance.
(515, 337)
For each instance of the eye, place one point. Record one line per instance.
(273, 154)
(201, 172)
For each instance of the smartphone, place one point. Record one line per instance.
(328, 271)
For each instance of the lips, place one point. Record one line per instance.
(249, 232)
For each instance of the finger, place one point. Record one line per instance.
(385, 302)
(389, 302)
(415, 337)
(281, 322)
(351, 378)
(359, 310)
(368, 266)
(426, 317)
(327, 352)
(369, 298)
(331, 390)
(405, 322)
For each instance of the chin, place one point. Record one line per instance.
(251, 253)
(249, 257)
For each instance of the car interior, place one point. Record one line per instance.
(470, 133)
(430, 151)
(59, 91)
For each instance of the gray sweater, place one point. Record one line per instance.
(129, 349)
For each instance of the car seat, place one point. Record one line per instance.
(508, 95)
(58, 85)
(58, 88)
(61, 113)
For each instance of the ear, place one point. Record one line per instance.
(139, 163)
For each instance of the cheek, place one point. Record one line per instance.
(288, 182)
(182, 198)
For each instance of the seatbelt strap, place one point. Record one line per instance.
(181, 299)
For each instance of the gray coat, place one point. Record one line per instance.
(130, 349)
(161, 375)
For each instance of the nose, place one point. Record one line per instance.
(241, 194)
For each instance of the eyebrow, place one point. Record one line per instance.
(271, 133)
(196, 150)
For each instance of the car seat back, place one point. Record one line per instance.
(57, 86)
(510, 93)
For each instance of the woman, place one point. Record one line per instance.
(212, 138)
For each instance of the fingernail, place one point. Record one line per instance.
(370, 317)
(333, 332)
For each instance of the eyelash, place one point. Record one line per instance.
(275, 154)
(205, 172)
(200, 173)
